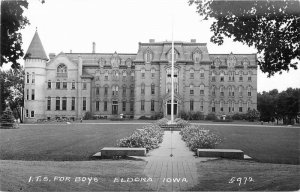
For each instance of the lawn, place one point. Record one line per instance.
(61, 142)
(77, 142)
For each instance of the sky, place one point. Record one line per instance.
(118, 25)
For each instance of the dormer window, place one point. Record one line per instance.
(197, 56)
(176, 55)
(62, 70)
(148, 56)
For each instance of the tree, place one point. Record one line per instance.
(12, 89)
(7, 119)
(272, 27)
(12, 21)
(252, 115)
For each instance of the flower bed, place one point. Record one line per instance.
(148, 137)
(199, 138)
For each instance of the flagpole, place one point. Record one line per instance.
(172, 77)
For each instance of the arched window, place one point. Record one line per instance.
(143, 89)
(222, 76)
(240, 90)
(192, 72)
(217, 62)
(201, 105)
(131, 90)
(27, 77)
(240, 106)
(231, 75)
(248, 105)
(191, 89)
(124, 90)
(249, 76)
(197, 56)
(176, 55)
(201, 89)
(124, 74)
(62, 70)
(213, 91)
(201, 73)
(213, 106)
(249, 91)
(213, 76)
(148, 56)
(241, 76)
(106, 75)
(143, 73)
(222, 91)
(222, 106)
(169, 87)
(128, 62)
(106, 90)
(33, 78)
(245, 62)
(152, 73)
(152, 88)
(132, 75)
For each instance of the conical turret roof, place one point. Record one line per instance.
(36, 49)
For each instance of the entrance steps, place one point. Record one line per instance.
(172, 127)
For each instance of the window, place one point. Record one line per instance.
(191, 89)
(73, 104)
(131, 105)
(27, 113)
(197, 56)
(124, 106)
(97, 90)
(148, 56)
(73, 84)
(249, 76)
(248, 105)
(240, 106)
(241, 76)
(169, 86)
(97, 105)
(213, 107)
(231, 76)
(49, 103)
(232, 106)
(124, 90)
(32, 94)
(222, 77)
(62, 70)
(132, 90)
(201, 89)
(192, 73)
(132, 75)
(222, 91)
(201, 106)
(143, 89)
(49, 84)
(33, 78)
(249, 91)
(32, 114)
(152, 105)
(84, 103)
(201, 73)
(105, 106)
(64, 103)
(191, 105)
(240, 90)
(116, 75)
(142, 105)
(152, 73)
(27, 78)
(229, 106)
(84, 85)
(57, 84)
(57, 104)
(117, 90)
(124, 75)
(105, 90)
(27, 94)
(114, 90)
(65, 85)
(106, 76)
(221, 106)
(213, 77)
(143, 73)
(152, 89)
(213, 91)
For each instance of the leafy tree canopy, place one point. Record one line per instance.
(272, 27)
(12, 21)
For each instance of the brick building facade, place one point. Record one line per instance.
(137, 84)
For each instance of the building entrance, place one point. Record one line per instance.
(115, 107)
(169, 107)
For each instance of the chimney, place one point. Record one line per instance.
(51, 56)
(193, 40)
(94, 47)
(151, 40)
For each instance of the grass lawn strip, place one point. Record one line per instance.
(215, 176)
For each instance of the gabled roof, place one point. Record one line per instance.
(36, 49)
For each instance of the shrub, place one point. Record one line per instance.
(211, 117)
(149, 137)
(144, 118)
(191, 115)
(199, 138)
(88, 116)
(252, 115)
(7, 119)
(238, 116)
(181, 122)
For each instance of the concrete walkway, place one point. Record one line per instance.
(172, 173)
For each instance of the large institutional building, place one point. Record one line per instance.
(137, 84)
